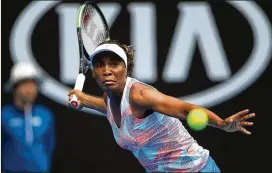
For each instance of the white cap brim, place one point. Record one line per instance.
(114, 48)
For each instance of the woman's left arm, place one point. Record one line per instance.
(149, 98)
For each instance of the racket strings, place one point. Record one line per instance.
(93, 26)
(87, 15)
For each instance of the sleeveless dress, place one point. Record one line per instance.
(159, 142)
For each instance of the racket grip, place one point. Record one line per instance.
(80, 81)
(74, 101)
(79, 86)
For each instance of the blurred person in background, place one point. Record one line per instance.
(28, 129)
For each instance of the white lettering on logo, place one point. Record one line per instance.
(196, 23)
(252, 69)
(68, 42)
(143, 36)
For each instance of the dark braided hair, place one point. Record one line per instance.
(129, 52)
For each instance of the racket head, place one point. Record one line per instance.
(92, 27)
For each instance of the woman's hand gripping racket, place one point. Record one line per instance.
(92, 29)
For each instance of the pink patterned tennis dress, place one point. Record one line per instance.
(159, 142)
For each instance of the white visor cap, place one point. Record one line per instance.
(109, 47)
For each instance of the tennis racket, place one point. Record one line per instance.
(92, 29)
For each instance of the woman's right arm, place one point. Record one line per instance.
(88, 101)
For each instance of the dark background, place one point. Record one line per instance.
(85, 142)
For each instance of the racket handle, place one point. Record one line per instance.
(80, 81)
(79, 86)
(74, 101)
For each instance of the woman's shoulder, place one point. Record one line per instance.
(139, 89)
(137, 85)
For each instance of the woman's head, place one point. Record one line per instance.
(129, 52)
(111, 63)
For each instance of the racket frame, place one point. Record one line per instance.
(84, 56)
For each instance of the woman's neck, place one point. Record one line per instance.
(116, 95)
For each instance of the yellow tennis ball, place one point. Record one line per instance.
(197, 119)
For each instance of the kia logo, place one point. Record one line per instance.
(196, 19)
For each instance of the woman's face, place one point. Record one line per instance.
(109, 71)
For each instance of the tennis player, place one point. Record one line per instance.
(146, 121)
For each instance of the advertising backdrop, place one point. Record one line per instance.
(213, 54)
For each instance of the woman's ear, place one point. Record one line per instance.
(126, 72)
